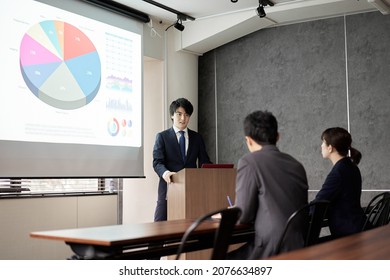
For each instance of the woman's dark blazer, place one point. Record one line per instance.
(343, 188)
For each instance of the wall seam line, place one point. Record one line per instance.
(216, 106)
(346, 71)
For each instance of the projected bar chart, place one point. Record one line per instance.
(60, 65)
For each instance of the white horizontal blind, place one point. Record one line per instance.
(58, 185)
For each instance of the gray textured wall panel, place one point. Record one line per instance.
(298, 72)
(206, 110)
(369, 90)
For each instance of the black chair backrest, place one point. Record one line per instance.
(378, 211)
(309, 220)
(227, 223)
(318, 212)
(374, 201)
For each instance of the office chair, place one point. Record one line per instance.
(308, 219)
(229, 218)
(378, 211)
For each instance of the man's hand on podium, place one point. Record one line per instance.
(167, 176)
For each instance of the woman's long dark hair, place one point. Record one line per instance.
(341, 140)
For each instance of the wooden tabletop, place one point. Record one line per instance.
(143, 239)
(368, 245)
(127, 234)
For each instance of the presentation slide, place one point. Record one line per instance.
(71, 92)
(68, 79)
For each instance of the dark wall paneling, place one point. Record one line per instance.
(298, 72)
(206, 103)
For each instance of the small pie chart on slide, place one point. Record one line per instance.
(60, 65)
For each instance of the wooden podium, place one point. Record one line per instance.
(197, 191)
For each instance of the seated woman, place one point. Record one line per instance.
(343, 185)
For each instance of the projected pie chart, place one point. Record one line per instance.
(60, 65)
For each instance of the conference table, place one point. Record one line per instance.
(140, 240)
(372, 244)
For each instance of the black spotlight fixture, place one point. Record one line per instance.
(179, 23)
(260, 10)
(234, 1)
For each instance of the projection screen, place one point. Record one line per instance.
(71, 91)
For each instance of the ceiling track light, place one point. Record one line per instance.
(179, 23)
(260, 10)
(180, 16)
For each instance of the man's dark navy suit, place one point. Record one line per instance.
(167, 156)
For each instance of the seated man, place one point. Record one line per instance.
(270, 186)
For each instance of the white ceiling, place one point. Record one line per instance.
(198, 9)
(220, 21)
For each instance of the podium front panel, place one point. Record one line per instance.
(197, 191)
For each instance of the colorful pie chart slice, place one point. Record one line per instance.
(60, 65)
